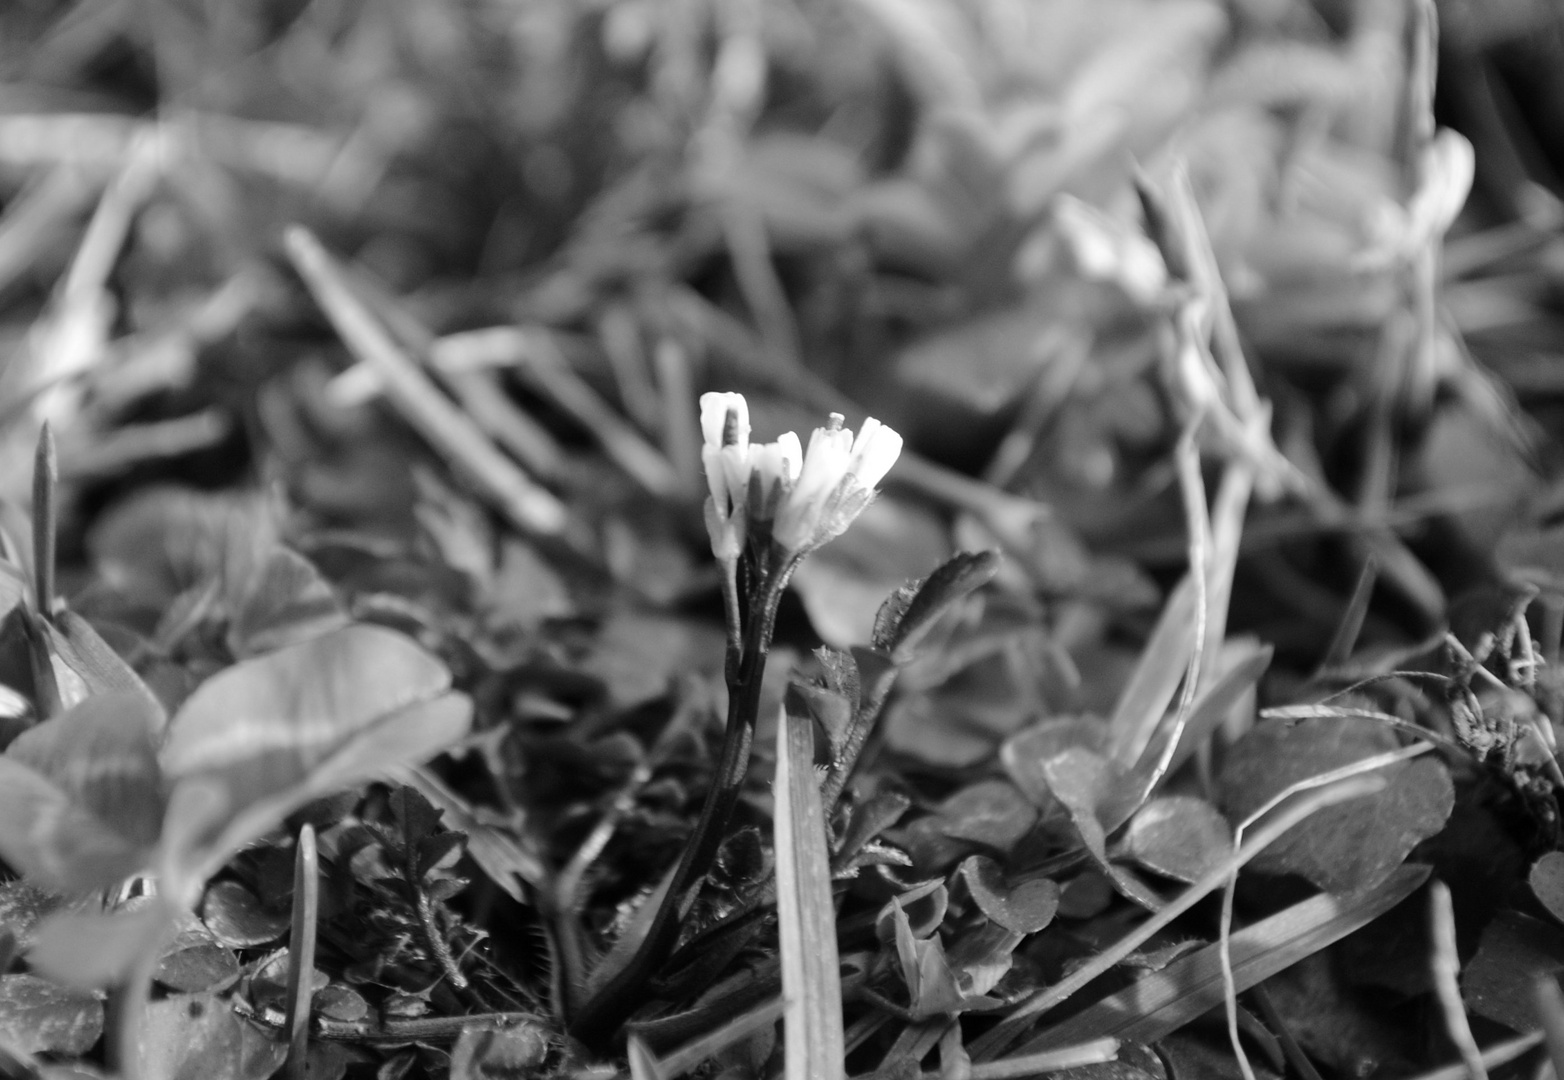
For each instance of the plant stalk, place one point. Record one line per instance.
(608, 1009)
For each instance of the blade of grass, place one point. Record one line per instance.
(529, 506)
(46, 478)
(1446, 963)
(1498, 1054)
(1550, 1008)
(643, 1063)
(1160, 1002)
(1163, 663)
(1038, 1062)
(301, 953)
(806, 913)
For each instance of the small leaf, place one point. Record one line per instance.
(1023, 754)
(442, 850)
(297, 705)
(483, 1052)
(22, 907)
(237, 918)
(1547, 882)
(1515, 951)
(1098, 797)
(923, 907)
(1025, 907)
(238, 809)
(102, 753)
(931, 986)
(96, 949)
(1347, 847)
(196, 961)
(339, 1001)
(870, 818)
(287, 603)
(956, 578)
(94, 663)
(197, 1037)
(1178, 836)
(39, 1017)
(415, 815)
(55, 841)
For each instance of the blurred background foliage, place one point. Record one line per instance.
(926, 204)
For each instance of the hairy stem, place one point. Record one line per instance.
(606, 1012)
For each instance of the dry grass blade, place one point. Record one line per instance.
(643, 1063)
(806, 915)
(1163, 662)
(1094, 1052)
(1447, 979)
(529, 506)
(1550, 1008)
(1160, 1002)
(1496, 1055)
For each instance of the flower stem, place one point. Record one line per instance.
(606, 1012)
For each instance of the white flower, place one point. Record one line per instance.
(774, 469)
(726, 456)
(835, 483)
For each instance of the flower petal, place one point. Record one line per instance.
(715, 408)
(874, 452)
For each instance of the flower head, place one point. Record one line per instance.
(802, 498)
(837, 480)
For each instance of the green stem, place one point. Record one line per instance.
(608, 1009)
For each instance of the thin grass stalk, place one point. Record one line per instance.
(1446, 963)
(301, 952)
(46, 479)
(1550, 1009)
